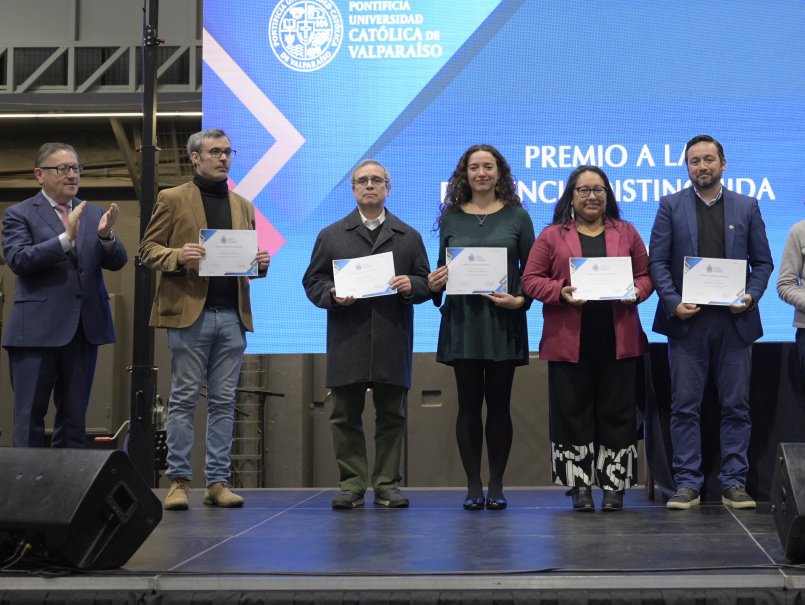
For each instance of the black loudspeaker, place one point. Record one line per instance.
(87, 509)
(788, 498)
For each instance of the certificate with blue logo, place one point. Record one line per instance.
(476, 270)
(365, 276)
(602, 278)
(713, 281)
(228, 252)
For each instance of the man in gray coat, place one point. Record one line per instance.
(790, 286)
(369, 340)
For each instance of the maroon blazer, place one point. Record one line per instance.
(548, 271)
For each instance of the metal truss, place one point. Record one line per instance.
(78, 68)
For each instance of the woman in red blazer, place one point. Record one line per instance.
(592, 347)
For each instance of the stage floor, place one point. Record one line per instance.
(288, 541)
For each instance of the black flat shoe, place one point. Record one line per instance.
(582, 499)
(496, 503)
(474, 503)
(613, 500)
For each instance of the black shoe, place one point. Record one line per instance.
(391, 498)
(474, 503)
(347, 499)
(684, 499)
(613, 500)
(582, 499)
(496, 503)
(736, 497)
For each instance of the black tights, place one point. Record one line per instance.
(477, 379)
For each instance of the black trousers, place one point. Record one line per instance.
(593, 424)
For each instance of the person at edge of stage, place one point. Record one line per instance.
(790, 285)
(57, 246)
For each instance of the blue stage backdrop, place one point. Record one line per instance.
(307, 88)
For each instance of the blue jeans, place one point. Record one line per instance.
(213, 348)
(712, 342)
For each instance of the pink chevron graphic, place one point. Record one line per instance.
(268, 238)
(288, 140)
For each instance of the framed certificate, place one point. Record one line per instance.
(365, 276)
(713, 281)
(602, 278)
(476, 270)
(229, 252)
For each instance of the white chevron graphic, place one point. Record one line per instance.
(288, 140)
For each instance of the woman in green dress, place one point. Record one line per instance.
(484, 336)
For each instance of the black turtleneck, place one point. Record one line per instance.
(222, 291)
(215, 195)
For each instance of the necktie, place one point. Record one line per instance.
(63, 210)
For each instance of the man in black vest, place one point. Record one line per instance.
(708, 220)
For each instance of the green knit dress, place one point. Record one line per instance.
(472, 327)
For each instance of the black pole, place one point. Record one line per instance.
(141, 445)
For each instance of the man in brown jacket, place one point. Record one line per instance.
(206, 317)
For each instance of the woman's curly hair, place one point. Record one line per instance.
(458, 187)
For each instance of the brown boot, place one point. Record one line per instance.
(219, 494)
(177, 495)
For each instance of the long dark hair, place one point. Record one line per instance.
(562, 214)
(458, 187)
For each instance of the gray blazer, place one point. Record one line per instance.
(791, 275)
(371, 340)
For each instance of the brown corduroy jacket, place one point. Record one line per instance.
(178, 215)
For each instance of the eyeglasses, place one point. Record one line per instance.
(364, 180)
(586, 191)
(62, 170)
(217, 153)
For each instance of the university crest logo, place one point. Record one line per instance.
(305, 34)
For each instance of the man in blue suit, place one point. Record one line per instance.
(57, 246)
(707, 220)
